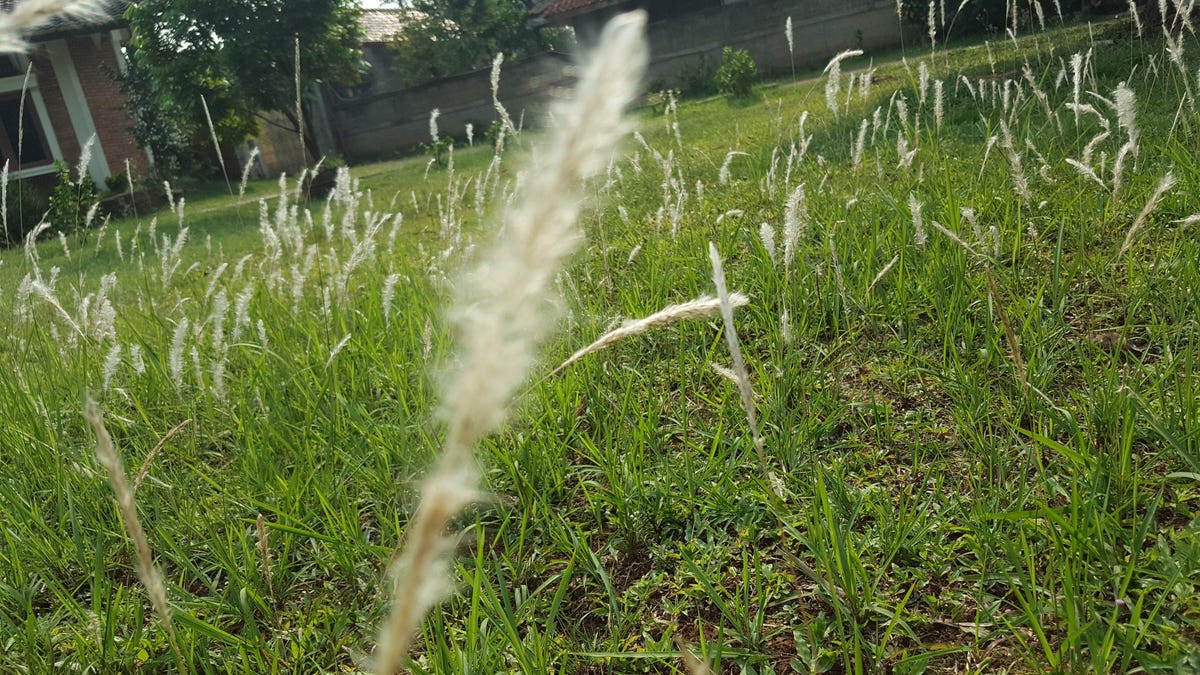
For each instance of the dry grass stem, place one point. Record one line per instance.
(695, 309)
(149, 575)
(499, 313)
(419, 573)
(691, 662)
(1010, 336)
(883, 272)
(264, 551)
(162, 442)
(952, 236)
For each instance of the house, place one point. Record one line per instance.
(687, 36)
(71, 96)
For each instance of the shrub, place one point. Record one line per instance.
(117, 182)
(439, 149)
(696, 78)
(25, 207)
(737, 73)
(70, 200)
(492, 135)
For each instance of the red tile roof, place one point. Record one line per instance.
(380, 25)
(561, 10)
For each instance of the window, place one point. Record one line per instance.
(33, 151)
(9, 67)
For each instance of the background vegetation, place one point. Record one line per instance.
(982, 450)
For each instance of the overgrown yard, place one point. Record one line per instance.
(971, 336)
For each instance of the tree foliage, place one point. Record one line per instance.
(448, 37)
(238, 54)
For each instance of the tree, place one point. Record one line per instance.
(239, 55)
(448, 37)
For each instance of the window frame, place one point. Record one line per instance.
(39, 137)
(12, 86)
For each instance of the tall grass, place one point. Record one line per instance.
(980, 443)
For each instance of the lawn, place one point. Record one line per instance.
(974, 367)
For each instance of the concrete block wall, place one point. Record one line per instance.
(385, 124)
(821, 28)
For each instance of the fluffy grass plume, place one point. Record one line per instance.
(149, 575)
(735, 352)
(497, 316)
(833, 81)
(1164, 184)
(699, 308)
(30, 15)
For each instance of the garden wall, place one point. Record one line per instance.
(688, 45)
(383, 124)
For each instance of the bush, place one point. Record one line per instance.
(737, 73)
(439, 149)
(70, 200)
(25, 207)
(696, 78)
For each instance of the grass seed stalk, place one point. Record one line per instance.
(497, 316)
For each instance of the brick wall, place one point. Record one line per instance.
(56, 107)
(96, 66)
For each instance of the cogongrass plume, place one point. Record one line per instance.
(85, 159)
(833, 81)
(1125, 103)
(30, 15)
(500, 109)
(299, 108)
(1135, 15)
(735, 351)
(699, 308)
(787, 31)
(149, 575)
(932, 27)
(500, 317)
(766, 234)
(245, 171)
(856, 153)
(938, 109)
(883, 272)
(919, 234)
(1164, 184)
(723, 175)
(795, 223)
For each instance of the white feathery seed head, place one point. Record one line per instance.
(500, 311)
(833, 81)
(29, 15)
(1125, 102)
(735, 351)
(1164, 185)
(767, 234)
(700, 308)
(919, 234)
